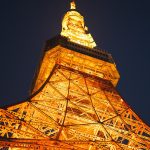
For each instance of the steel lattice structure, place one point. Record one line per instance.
(73, 104)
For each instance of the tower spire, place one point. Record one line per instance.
(72, 5)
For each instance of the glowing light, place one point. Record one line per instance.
(74, 29)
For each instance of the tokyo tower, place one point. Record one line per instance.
(73, 104)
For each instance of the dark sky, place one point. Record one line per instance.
(121, 27)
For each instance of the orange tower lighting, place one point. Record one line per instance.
(73, 104)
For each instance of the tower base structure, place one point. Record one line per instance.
(73, 105)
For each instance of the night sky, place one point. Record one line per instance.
(121, 27)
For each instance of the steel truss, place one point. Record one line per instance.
(73, 110)
(73, 104)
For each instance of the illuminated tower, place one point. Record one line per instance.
(73, 104)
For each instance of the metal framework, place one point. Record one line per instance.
(73, 105)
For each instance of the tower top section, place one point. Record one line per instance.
(72, 5)
(73, 27)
